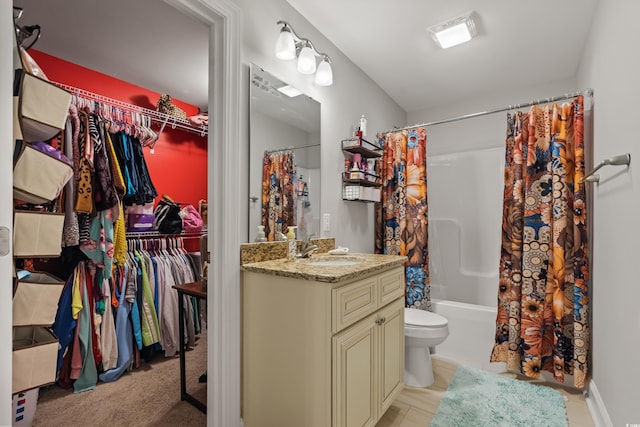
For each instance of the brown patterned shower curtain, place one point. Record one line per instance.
(278, 201)
(401, 218)
(542, 321)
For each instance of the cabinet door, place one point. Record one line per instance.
(391, 356)
(354, 375)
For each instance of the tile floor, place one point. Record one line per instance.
(416, 407)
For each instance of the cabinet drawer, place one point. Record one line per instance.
(391, 285)
(352, 302)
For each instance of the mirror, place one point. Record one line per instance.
(281, 124)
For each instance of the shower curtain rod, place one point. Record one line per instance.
(281, 150)
(587, 92)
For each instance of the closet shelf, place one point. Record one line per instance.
(136, 112)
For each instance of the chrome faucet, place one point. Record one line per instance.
(306, 250)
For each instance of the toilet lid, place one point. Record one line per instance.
(416, 317)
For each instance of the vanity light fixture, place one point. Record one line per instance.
(454, 31)
(289, 46)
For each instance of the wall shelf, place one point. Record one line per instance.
(361, 146)
(360, 185)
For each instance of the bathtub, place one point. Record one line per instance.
(471, 334)
(464, 251)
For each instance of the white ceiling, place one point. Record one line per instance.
(144, 42)
(150, 44)
(519, 42)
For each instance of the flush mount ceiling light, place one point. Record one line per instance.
(455, 31)
(289, 46)
(290, 91)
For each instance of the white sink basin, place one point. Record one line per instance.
(332, 262)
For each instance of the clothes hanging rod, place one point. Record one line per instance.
(154, 115)
(279, 150)
(143, 235)
(587, 92)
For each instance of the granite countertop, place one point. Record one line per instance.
(300, 268)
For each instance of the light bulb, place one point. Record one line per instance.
(324, 75)
(306, 61)
(285, 46)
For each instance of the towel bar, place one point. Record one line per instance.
(621, 159)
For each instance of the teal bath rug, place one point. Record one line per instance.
(477, 398)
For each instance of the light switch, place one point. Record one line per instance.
(326, 222)
(5, 241)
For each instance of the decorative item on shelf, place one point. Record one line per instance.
(166, 106)
(260, 237)
(289, 45)
(362, 126)
(302, 189)
(203, 208)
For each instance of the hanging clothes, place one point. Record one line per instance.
(401, 218)
(543, 312)
(124, 331)
(140, 188)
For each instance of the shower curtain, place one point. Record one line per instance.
(542, 321)
(401, 217)
(278, 199)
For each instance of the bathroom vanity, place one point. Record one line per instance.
(323, 341)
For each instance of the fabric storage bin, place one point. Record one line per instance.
(140, 217)
(38, 177)
(37, 234)
(35, 346)
(42, 108)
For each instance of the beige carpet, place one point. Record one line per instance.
(147, 396)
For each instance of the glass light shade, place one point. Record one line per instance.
(324, 75)
(285, 46)
(307, 61)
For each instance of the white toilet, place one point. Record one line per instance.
(422, 329)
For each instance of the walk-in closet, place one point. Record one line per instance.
(126, 282)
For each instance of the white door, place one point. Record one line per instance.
(6, 208)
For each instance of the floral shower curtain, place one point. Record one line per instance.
(401, 217)
(278, 200)
(542, 321)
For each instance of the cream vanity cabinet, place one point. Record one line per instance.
(321, 354)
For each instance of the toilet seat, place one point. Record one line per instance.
(423, 318)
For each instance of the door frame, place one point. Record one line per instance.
(224, 179)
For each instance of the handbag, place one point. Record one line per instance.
(40, 172)
(167, 218)
(191, 219)
(37, 234)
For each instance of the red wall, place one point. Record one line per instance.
(178, 167)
